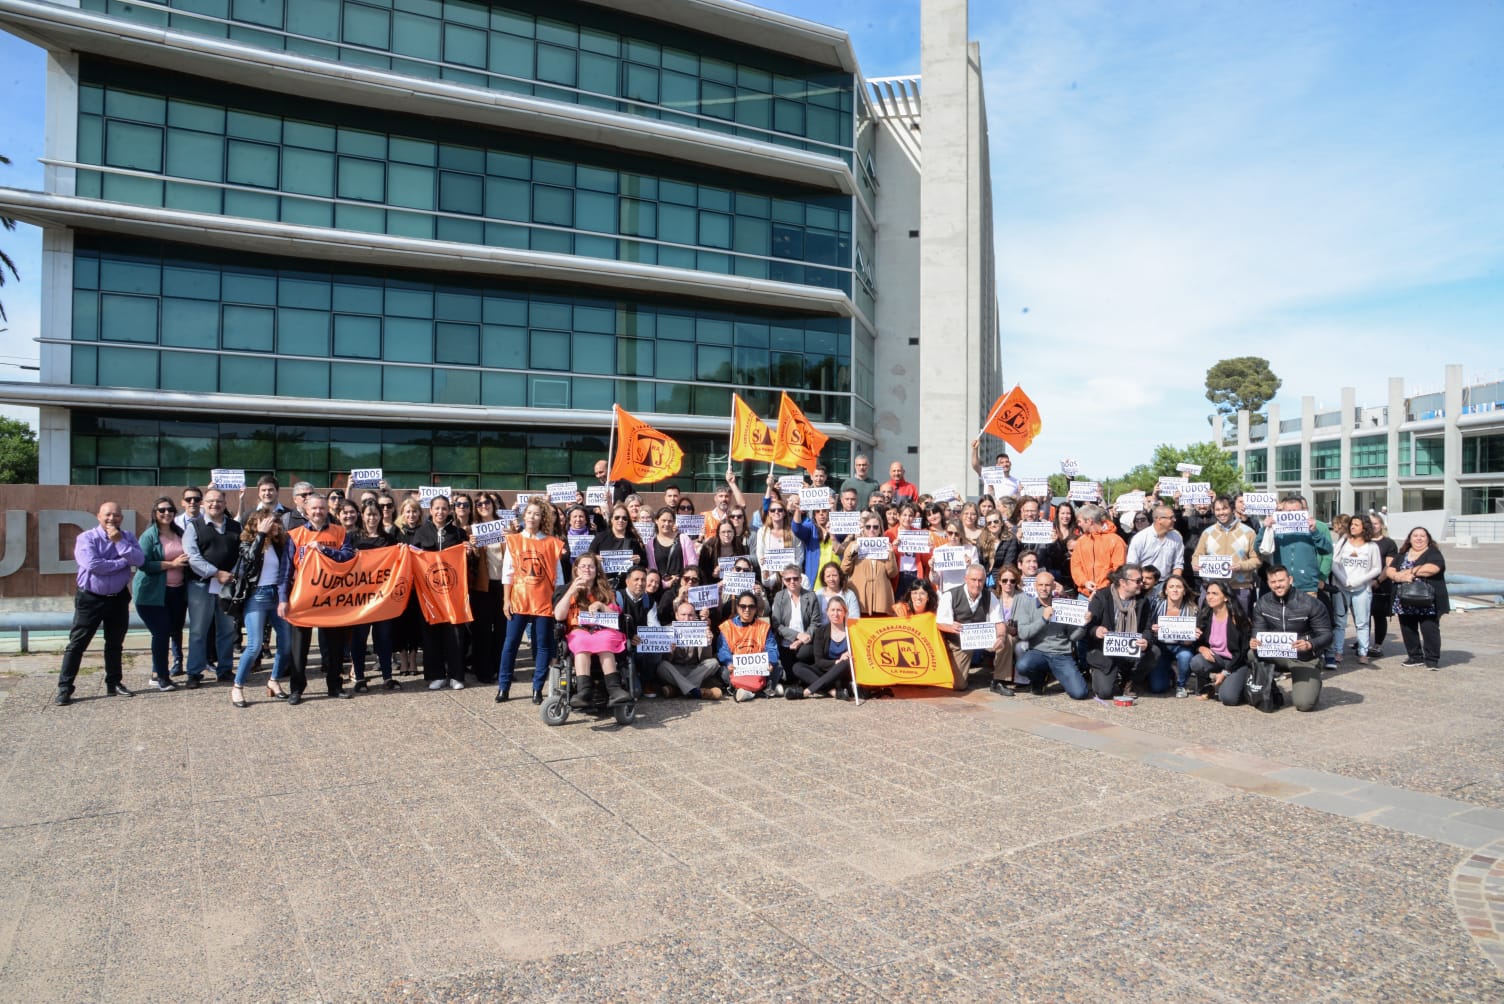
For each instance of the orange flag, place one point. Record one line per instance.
(1014, 419)
(890, 650)
(442, 583)
(751, 439)
(372, 587)
(643, 454)
(798, 443)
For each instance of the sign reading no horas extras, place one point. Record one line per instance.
(1214, 566)
(777, 558)
(914, 542)
(692, 634)
(1177, 628)
(365, 477)
(563, 492)
(652, 640)
(616, 562)
(1085, 491)
(427, 493)
(227, 479)
(1071, 613)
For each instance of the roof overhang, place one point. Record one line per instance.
(767, 29)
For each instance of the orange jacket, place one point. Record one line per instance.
(1097, 556)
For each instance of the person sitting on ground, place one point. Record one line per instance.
(1287, 609)
(1174, 661)
(828, 668)
(1118, 610)
(968, 603)
(690, 672)
(795, 614)
(1222, 635)
(746, 634)
(1052, 645)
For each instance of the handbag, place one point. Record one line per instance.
(1415, 593)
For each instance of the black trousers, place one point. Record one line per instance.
(1422, 635)
(332, 645)
(1378, 618)
(1107, 675)
(486, 633)
(814, 679)
(443, 652)
(90, 612)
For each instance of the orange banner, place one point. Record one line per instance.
(751, 439)
(888, 650)
(643, 454)
(1014, 419)
(371, 587)
(799, 443)
(442, 583)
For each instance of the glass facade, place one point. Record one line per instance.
(1483, 500)
(559, 50)
(1370, 457)
(1257, 471)
(1430, 456)
(1326, 460)
(1287, 463)
(1483, 454)
(114, 449)
(177, 318)
(266, 156)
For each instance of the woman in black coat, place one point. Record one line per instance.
(1222, 635)
(1420, 562)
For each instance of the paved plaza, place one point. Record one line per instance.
(417, 845)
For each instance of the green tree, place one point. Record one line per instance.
(6, 264)
(1245, 382)
(1059, 485)
(18, 453)
(1217, 468)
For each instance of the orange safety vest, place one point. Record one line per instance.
(304, 536)
(745, 639)
(533, 563)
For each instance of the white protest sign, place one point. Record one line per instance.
(1169, 486)
(993, 476)
(1292, 521)
(1120, 645)
(946, 494)
(701, 597)
(645, 530)
(725, 564)
(523, 498)
(844, 524)
(616, 562)
(978, 636)
(1196, 493)
(750, 664)
(655, 639)
(365, 477)
(1026, 585)
(1259, 503)
(1129, 502)
(1177, 628)
(1214, 566)
(914, 542)
(579, 544)
(563, 492)
(489, 532)
(227, 479)
(1192, 469)
(1085, 491)
(1277, 645)
(595, 496)
(738, 582)
(507, 518)
(692, 634)
(427, 493)
(600, 619)
(873, 547)
(1069, 467)
(790, 483)
(1038, 488)
(690, 523)
(777, 558)
(815, 498)
(1034, 531)
(951, 558)
(1070, 612)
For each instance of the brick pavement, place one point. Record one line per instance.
(418, 845)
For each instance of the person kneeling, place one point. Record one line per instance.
(747, 635)
(589, 592)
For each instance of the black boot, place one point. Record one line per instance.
(615, 691)
(582, 696)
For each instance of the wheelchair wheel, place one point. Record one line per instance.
(625, 713)
(554, 711)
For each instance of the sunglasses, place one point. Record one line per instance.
(387, 505)
(191, 499)
(686, 508)
(620, 519)
(738, 516)
(462, 505)
(791, 578)
(165, 509)
(1008, 582)
(746, 606)
(772, 511)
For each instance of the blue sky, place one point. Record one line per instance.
(1175, 183)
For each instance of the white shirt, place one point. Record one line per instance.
(945, 613)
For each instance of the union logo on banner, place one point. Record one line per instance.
(888, 651)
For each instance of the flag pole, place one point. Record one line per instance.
(731, 438)
(611, 461)
(856, 692)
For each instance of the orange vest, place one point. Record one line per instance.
(304, 536)
(745, 639)
(534, 561)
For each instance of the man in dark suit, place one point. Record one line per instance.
(795, 615)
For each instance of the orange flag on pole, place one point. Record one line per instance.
(798, 443)
(643, 454)
(442, 583)
(1014, 419)
(751, 439)
(890, 650)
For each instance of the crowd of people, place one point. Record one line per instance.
(1112, 601)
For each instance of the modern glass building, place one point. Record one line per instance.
(442, 237)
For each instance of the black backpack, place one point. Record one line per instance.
(1260, 689)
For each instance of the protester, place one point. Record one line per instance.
(1010, 605)
(922, 598)
(213, 546)
(1223, 632)
(368, 535)
(1417, 565)
(1383, 587)
(1228, 537)
(105, 556)
(161, 596)
(1160, 544)
(590, 591)
(1099, 551)
(833, 583)
(1174, 661)
(1356, 566)
(795, 613)
(533, 568)
(968, 603)
(687, 670)
(316, 532)
(828, 663)
(1118, 610)
(871, 577)
(746, 634)
(264, 565)
(1287, 609)
(1052, 645)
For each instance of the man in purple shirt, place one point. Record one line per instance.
(106, 556)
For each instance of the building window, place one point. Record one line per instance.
(1483, 500)
(1370, 457)
(1429, 454)
(1257, 471)
(1326, 460)
(1287, 463)
(1483, 454)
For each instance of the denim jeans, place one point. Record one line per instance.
(261, 606)
(165, 623)
(204, 615)
(1360, 604)
(1034, 664)
(543, 649)
(1159, 676)
(380, 635)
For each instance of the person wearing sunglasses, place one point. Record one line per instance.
(620, 535)
(745, 634)
(160, 590)
(488, 630)
(795, 613)
(775, 534)
(1118, 608)
(870, 577)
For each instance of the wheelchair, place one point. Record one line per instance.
(555, 709)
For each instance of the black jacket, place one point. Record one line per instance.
(1103, 614)
(1238, 634)
(429, 537)
(820, 646)
(1299, 612)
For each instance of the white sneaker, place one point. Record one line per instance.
(436, 685)
(743, 696)
(778, 690)
(456, 685)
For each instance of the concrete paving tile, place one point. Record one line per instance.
(1032, 986)
(922, 979)
(1451, 831)
(834, 935)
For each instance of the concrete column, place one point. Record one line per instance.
(1271, 443)
(1451, 443)
(1392, 447)
(947, 345)
(60, 138)
(1243, 442)
(60, 142)
(1349, 411)
(1307, 426)
(54, 427)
